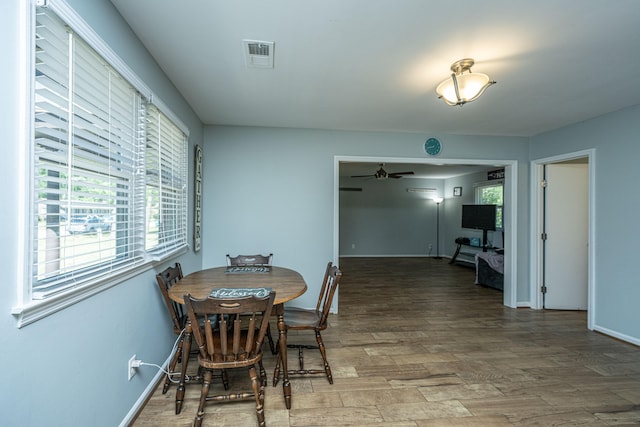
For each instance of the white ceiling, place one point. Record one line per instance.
(374, 64)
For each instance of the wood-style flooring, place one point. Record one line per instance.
(417, 344)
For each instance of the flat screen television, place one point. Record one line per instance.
(479, 217)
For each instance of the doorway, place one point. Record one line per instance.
(510, 203)
(562, 233)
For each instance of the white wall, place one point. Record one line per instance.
(68, 369)
(615, 139)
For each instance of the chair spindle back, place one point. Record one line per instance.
(240, 329)
(166, 279)
(249, 260)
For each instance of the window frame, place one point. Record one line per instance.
(27, 309)
(479, 186)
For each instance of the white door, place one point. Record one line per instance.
(566, 227)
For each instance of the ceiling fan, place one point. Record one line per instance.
(383, 174)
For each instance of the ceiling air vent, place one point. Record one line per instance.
(258, 54)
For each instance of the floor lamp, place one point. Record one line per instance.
(437, 200)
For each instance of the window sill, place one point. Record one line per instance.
(39, 309)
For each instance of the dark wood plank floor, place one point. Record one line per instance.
(416, 344)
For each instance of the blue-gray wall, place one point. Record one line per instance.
(615, 138)
(384, 219)
(272, 190)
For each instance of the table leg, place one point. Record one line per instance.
(186, 350)
(286, 385)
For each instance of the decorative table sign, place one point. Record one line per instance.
(240, 292)
(248, 269)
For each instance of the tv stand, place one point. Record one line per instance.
(465, 241)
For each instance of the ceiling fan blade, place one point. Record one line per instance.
(382, 174)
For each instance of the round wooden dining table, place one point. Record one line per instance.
(287, 284)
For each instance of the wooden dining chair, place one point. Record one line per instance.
(236, 343)
(166, 279)
(311, 320)
(257, 260)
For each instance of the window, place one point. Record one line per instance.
(492, 193)
(166, 186)
(109, 167)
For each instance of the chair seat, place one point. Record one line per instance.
(300, 318)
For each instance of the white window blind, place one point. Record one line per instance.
(166, 184)
(109, 168)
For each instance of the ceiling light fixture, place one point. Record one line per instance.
(461, 88)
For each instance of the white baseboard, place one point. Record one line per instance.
(614, 334)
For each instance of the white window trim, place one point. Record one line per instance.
(26, 309)
(480, 184)
(489, 183)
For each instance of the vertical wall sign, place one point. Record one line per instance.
(197, 211)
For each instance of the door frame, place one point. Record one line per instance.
(537, 211)
(510, 291)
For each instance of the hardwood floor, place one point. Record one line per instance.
(416, 343)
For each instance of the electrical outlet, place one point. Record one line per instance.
(430, 247)
(131, 369)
